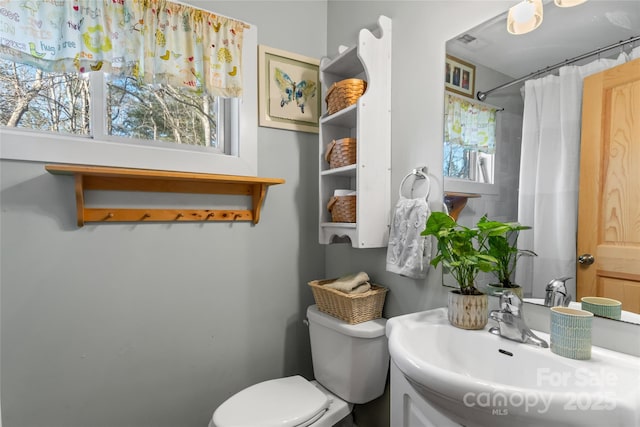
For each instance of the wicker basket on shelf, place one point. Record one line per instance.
(342, 208)
(352, 308)
(341, 152)
(344, 93)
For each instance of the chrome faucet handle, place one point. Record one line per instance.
(556, 292)
(510, 303)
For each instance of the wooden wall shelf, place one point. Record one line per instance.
(122, 179)
(457, 201)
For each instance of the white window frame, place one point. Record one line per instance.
(27, 145)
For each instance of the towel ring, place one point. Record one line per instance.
(418, 174)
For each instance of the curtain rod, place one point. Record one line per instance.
(483, 95)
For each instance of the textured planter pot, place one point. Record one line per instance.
(497, 290)
(468, 311)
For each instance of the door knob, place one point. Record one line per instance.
(586, 259)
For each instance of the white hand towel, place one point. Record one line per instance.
(351, 283)
(409, 253)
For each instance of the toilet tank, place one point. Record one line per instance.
(350, 360)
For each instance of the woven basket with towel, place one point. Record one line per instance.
(351, 298)
(342, 206)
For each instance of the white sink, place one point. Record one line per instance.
(479, 379)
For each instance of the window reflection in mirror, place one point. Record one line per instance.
(469, 139)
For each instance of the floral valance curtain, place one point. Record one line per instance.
(155, 40)
(469, 124)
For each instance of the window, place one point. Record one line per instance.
(97, 119)
(469, 140)
(163, 113)
(468, 164)
(33, 99)
(62, 103)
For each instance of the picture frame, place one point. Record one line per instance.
(460, 76)
(289, 95)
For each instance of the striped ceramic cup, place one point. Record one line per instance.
(571, 332)
(603, 307)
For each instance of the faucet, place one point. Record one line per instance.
(511, 323)
(556, 293)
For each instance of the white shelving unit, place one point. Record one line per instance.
(369, 121)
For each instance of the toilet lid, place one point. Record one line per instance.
(283, 402)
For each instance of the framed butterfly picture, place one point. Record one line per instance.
(289, 90)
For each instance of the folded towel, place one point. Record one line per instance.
(351, 283)
(409, 253)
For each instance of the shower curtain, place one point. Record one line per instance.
(549, 174)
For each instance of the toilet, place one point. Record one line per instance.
(350, 363)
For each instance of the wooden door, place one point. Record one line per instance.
(609, 201)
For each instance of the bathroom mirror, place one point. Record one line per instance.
(500, 57)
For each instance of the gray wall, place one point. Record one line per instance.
(156, 324)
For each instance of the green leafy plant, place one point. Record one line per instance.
(460, 249)
(500, 240)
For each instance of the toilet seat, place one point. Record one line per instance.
(283, 402)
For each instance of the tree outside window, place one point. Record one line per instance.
(61, 102)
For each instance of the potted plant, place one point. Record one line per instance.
(500, 240)
(464, 255)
